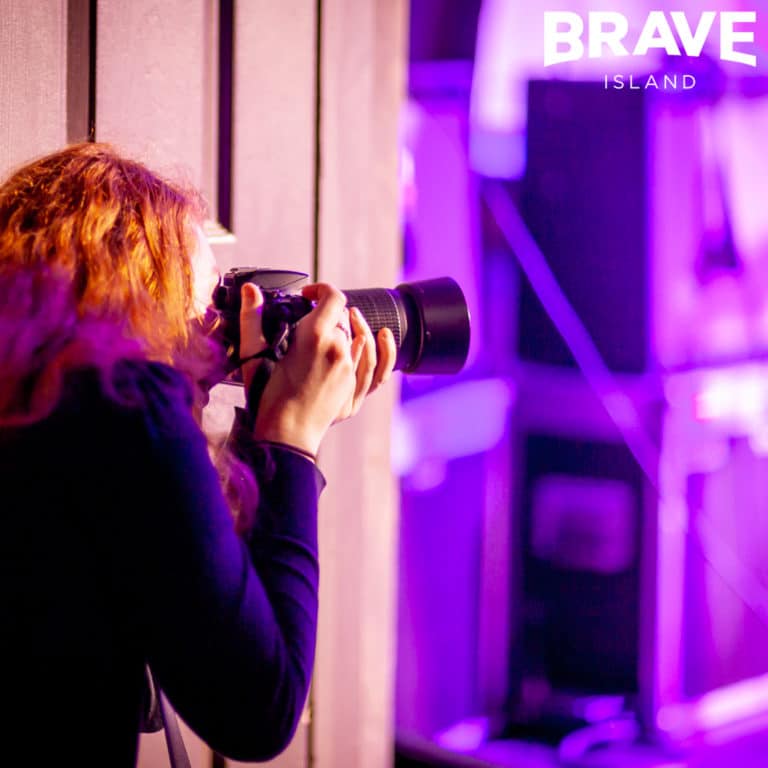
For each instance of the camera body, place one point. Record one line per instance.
(282, 309)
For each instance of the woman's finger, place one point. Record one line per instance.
(386, 359)
(329, 302)
(357, 349)
(367, 363)
(251, 337)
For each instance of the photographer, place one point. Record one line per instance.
(124, 543)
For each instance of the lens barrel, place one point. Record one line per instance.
(429, 320)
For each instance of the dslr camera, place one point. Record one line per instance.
(429, 318)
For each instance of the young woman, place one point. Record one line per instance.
(123, 544)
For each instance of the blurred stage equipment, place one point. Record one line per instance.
(613, 536)
(641, 425)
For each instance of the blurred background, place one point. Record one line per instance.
(584, 522)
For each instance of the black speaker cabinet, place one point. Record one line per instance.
(584, 197)
(581, 534)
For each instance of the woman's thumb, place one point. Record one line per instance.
(251, 296)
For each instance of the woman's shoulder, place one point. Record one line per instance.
(152, 394)
(146, 381)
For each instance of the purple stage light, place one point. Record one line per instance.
(455, 421)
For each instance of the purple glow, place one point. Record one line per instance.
(728, 401)
(596, 709)
(465, 736)
(460, 420)
(710, 246)
(712, 602)
(497, 155)
(737, 398)
(739, 702)
(440, 205)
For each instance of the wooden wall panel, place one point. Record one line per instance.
(33, 79)
(273, 161)
(156, 98)
(364, 47)
(274, 133)
(151, 82)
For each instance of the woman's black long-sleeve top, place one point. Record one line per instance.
(117, 549)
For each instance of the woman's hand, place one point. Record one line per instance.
(329, 369)
(375, 364)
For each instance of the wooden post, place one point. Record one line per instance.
(362, 80)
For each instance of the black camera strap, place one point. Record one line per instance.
(278, 340)
(256, 387)
(176, 750)
(159, 714)
(278, 336)
(265, 354)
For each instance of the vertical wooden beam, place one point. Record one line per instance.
(363, 56)
(273, 162)
(273, 133)
(151, 83)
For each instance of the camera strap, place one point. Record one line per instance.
(159, 714)
(256, 387)
(265, 354)
(278, 336)
(176, 750)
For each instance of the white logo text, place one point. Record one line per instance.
(563, 32)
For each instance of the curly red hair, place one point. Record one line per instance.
(94, 264)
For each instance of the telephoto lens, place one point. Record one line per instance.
(429, 319)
